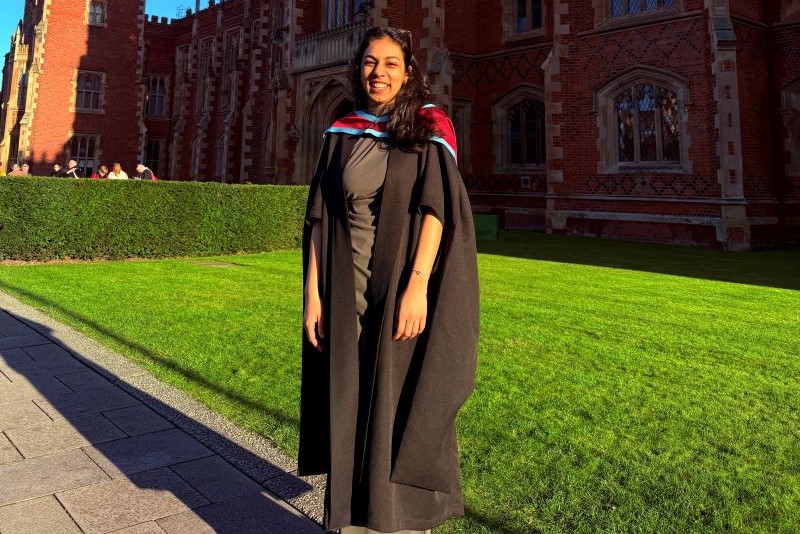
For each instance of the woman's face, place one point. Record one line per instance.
(383, 71)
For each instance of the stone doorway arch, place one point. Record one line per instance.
(328, 102)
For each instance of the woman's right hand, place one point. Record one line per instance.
(313, 321)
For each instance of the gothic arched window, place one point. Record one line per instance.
(647, 124)
(643, 121)
(526, 133)
(620, 8)
(156, 96)
(521, 142)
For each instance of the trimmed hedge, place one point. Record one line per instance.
(55, 218)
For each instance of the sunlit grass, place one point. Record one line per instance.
(621, 387)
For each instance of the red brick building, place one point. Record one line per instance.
(666, 120)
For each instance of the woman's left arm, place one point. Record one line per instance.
(413, 310)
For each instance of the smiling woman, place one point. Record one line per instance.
(383, 73)
(391, 303)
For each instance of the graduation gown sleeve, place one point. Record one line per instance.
(447, 355)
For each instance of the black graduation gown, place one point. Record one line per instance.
(381, 424)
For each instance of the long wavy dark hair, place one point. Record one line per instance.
(407, 130)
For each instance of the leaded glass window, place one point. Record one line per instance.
(620, 8)
(526, 134)
(156, 96)
(339, 13)
(203, 73)
(97, 12)
(152, 154)
(89, 87)
(83, 149)
(528, 15)
(648, 130)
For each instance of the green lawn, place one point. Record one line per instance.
(621, 387)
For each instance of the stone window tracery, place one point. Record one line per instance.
(647, 124)
(339, 13)
(642, 122)
(620, 8)
(97, 12)
(528, 16)
(232, 46)
(156, 96)
(522, 19)
(89, 91)
(85, 150)
(521, 142)
(203, 74)
(630, 11)
(152, 154)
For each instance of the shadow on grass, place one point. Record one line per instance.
(778, 267)
(41, 302)
(285, 486)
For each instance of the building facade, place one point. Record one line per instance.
(664, 120)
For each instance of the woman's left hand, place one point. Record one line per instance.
(413, 309)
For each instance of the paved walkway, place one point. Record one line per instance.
(91, 443)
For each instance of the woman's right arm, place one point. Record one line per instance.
(312, 311)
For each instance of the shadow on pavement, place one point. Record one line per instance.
(80, 438)
(129, 455)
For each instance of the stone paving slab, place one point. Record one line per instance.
(37, 477)
(256, 513)
(44, 515)
(146, 452)
(12, 357)
(8, 453)
(51, 359)
(254, 455)
(86, 402)
(125, 502)
(137, 420)
(63, 435)
(16, 328)
(212, 464)
(21, 413)
(26, 340)
(215, 478)
(86, 380)
(31, 387)
(151, 527)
